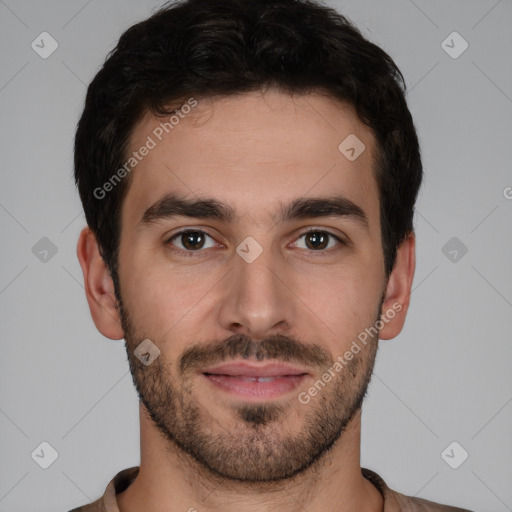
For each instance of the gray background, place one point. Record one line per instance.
(445, 378)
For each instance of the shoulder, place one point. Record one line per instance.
(413, 504)
(95, 506)
(108, 502)
(397, 502)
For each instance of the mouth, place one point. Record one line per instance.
(256, 381)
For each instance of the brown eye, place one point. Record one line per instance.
(190, 240)
(318, 240)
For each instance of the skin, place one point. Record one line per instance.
(254, 152)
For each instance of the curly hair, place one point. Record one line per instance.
(223, 47)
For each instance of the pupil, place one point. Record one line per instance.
(191, 240)
(318, 240)
(194, 238)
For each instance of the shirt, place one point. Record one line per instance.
(393, 501)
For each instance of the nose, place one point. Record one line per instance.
(258, 299)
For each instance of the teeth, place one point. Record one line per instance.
(258, 379)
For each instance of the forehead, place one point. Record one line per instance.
(253, 151)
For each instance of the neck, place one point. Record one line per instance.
(169, 476)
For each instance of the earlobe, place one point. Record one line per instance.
(398, 289)
(99, 288)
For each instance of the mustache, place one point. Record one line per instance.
(277, 346)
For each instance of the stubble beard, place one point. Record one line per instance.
(256, 444)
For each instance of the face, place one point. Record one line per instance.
(254, 292)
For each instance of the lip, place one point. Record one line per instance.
(256, 382)
(246, 369)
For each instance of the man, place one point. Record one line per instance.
(248, 171)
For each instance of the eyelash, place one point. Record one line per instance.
(199, 253)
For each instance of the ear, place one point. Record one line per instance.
(398, 289)
(99, 287)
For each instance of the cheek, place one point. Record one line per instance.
(159, 296)
(341, 304)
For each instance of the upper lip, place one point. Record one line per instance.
(246, 369)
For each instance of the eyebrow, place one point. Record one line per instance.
(174, 205)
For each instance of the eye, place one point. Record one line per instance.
(318, 240)
(191, 240)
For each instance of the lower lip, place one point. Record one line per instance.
(256, 389)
